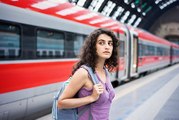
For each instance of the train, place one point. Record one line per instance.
(40, 41)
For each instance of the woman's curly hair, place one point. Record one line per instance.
(89, 56)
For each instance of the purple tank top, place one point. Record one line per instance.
(98, 110)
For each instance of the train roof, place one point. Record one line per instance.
(175, 45)
(68, 11)
(150, 37)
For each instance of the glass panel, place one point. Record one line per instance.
(78, 42)
(121, 46)
(9, 41)
(50, 44)
(122, 42)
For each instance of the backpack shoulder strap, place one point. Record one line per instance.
(107, 72)
(91, 73)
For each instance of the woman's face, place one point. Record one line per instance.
(104, 46)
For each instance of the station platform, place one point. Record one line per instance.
(153, 97)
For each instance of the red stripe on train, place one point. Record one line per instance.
(27, 75)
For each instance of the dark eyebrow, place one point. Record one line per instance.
(100, 40)
(104, 40)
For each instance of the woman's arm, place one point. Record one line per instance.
(78, 80)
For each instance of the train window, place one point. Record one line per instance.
(155, 50)
(174, 52)
(140, 50)
(145, 51)
(121, 46)
(148, 52)
(177, 53)
(10, 41)
(122, 38)
(164, 51)
(50, 44)
(73, 43)
(78, 42)
(151, 50)
(159, 51)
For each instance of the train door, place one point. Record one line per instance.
(134, 55)
(171, 54)
(121, 72)
(123, 61)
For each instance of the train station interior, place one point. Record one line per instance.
(146, 82)
(159, 17)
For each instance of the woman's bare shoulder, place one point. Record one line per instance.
(81, 74)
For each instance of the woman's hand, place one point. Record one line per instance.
(97, 90)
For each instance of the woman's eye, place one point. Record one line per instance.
(110, 43)
(101, 43)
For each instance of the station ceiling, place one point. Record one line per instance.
(138, 13)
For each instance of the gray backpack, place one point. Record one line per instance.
(70, 114)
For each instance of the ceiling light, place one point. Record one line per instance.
(132, 5)
(137, 22)
(81, 2)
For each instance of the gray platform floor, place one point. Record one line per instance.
(153, 97)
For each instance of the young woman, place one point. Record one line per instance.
(100, 52)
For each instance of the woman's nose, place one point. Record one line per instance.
(107, 45)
